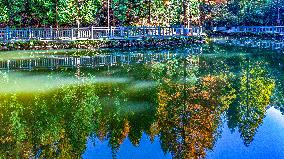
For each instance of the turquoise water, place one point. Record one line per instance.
(202, 101)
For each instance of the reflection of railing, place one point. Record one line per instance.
(8, 34)
(54, 62)
(254, 43)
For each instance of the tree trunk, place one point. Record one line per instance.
(56, 13)
(184, 12)
(202, 14)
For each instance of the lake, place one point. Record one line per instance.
(202, 101)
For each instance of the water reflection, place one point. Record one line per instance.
(189, 115)
(50, 125)
(47, 61)
(252, 42)
(254, 88)
(184, 100)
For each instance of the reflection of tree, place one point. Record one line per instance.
(57, 124)
(49, 126)
(277, 100)
(255, 89)
(190, 101)
(115, 124)
(189, 115)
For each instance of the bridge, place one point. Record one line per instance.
(92, 33)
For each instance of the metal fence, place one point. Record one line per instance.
(10, 34)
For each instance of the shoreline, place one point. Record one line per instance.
(101, 43)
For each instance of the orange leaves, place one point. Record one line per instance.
(124, 133)
(102, 132)
(204, 94)
(189, 115)
(154, 130)
(210, 82)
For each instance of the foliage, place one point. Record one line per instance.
(255, 90)
(25, 13)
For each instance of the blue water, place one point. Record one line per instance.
(268, 143)
(146, 149)
(202, 101)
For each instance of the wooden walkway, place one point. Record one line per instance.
(92, 33)
(252, 29)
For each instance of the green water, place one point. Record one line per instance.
(183, 106)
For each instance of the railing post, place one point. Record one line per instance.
(92, 32)
(139, 31)
(121, 31)
(30, 64)
(159, 31)
(30, 33)
(144, 31)
(8, 65)
(78, 33)
(51, 36)
(113, 31)
(7, 34)
(72, 33)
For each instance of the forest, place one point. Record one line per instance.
(208, 13)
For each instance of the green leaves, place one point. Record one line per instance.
(120, 8)
(255, 89)
(24, 13)
(4, 17)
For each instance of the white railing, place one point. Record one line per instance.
(8, 34)
(252, 29)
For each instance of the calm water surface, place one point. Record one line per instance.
(203, 101)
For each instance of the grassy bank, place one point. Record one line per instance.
(93, 44)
